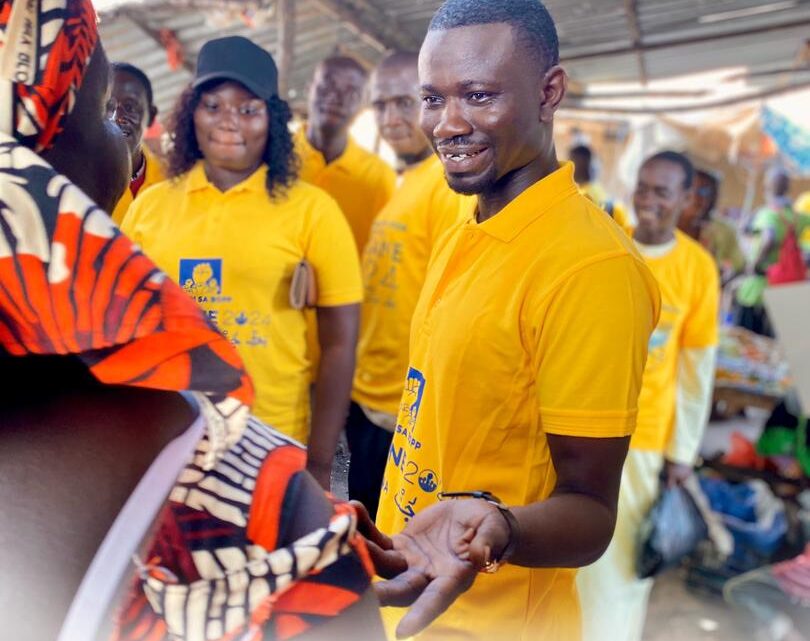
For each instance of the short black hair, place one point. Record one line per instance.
(531, 20)
(676, 159)
(344, 62)
(581, 150)
(140, 75)
(399, 59)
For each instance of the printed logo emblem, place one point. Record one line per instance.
(201, 277)
(427, 481)
(412, 397)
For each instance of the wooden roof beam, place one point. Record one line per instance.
(153, 35)
(375, 29)
(679, 42)
(631, 9)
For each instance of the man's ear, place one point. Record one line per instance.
(554, 85)
(153, 112)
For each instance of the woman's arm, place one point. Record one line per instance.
(337, 336)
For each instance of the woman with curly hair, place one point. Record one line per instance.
(254, 245)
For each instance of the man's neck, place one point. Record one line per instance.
(505, 190)
(409, 161)
(582, 179)
(653, 240)
(138, 161)
(330, 142)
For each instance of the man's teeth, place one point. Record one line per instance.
(461, 156)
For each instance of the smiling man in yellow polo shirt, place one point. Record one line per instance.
(359, 181)
(527, 349)
(134, 112)
(675, 399)
(394, 265)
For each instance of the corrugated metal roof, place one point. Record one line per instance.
(597, 39)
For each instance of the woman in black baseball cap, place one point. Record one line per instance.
(254, 245)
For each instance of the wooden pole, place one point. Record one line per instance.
(286, 37)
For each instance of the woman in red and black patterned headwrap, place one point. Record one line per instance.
(106, 363)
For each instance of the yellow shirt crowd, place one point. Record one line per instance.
(522, 356)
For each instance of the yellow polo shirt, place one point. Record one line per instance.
(235, 253)
(533, 322)
(690, 292)
(394, 264)
(359, 181)
(154, 175)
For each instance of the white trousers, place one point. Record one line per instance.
(613, 599)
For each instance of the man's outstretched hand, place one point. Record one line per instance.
(443, 548)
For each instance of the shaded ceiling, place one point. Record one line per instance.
(601, 41)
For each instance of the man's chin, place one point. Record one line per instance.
(468, 185)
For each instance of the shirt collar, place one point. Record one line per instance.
(351, 154)
(197, 181)
(507, 224)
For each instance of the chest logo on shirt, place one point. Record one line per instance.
(201, 277)
(663, 333)
(412, 398)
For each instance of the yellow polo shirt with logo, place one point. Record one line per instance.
(690, 291)
(154, 175)
(359, 181)
(235, 253)
(531, 323)
(394, 265)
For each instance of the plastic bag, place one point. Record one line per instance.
(671, 531)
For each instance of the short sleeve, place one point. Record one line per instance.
(700, 326)
(590, 348)
(333, 255)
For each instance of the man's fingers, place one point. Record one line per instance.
(367, 527)
(387, 563)
(434, 600)
(402, 590)
(491, 538)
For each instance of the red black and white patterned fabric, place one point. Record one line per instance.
(70, 282)
(216, 571)
(46, 47)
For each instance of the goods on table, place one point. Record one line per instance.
(751, 363)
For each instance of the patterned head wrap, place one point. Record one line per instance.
(46, 46)
(70, 282)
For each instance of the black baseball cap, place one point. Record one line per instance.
(237, 58)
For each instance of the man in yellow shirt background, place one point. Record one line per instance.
(133, 110)
(359, 181)
(394, 264)
(675, 398)
(582, 157)
(527, 348)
